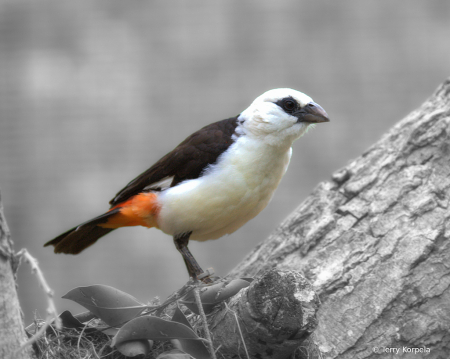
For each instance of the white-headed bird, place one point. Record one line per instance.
(213, 182)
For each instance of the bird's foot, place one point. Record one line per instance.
(205, 276)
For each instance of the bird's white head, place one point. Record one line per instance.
(280, 116)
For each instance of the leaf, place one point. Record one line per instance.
(214, 294)
(85, 316)
(179, 317)
(154, 328)
(174, 354)
(195, 347)
(111, 305)
(135, 347)
(72, 321)
(69, 321)
(107, 330)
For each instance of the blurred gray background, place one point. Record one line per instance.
(93, 93)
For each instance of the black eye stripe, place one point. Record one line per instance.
(288, 104)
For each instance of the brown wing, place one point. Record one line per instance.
(186, 161)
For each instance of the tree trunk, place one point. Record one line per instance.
(12, 333)
(373, 241)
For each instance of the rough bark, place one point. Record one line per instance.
(12, 333)
(373, 241)
(269, 319)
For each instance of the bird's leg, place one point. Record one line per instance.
(181, 241)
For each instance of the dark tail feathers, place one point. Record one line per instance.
(79, 238)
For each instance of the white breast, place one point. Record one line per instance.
(229, 194)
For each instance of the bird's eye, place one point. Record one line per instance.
(289, 105)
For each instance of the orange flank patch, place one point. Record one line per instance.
(140, 210)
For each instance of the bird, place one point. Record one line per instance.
(213, 182)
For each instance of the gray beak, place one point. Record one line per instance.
(312, 113)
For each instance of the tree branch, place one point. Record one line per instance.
(52, 313)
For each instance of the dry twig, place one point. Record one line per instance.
(204, 320)
(52, 314)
